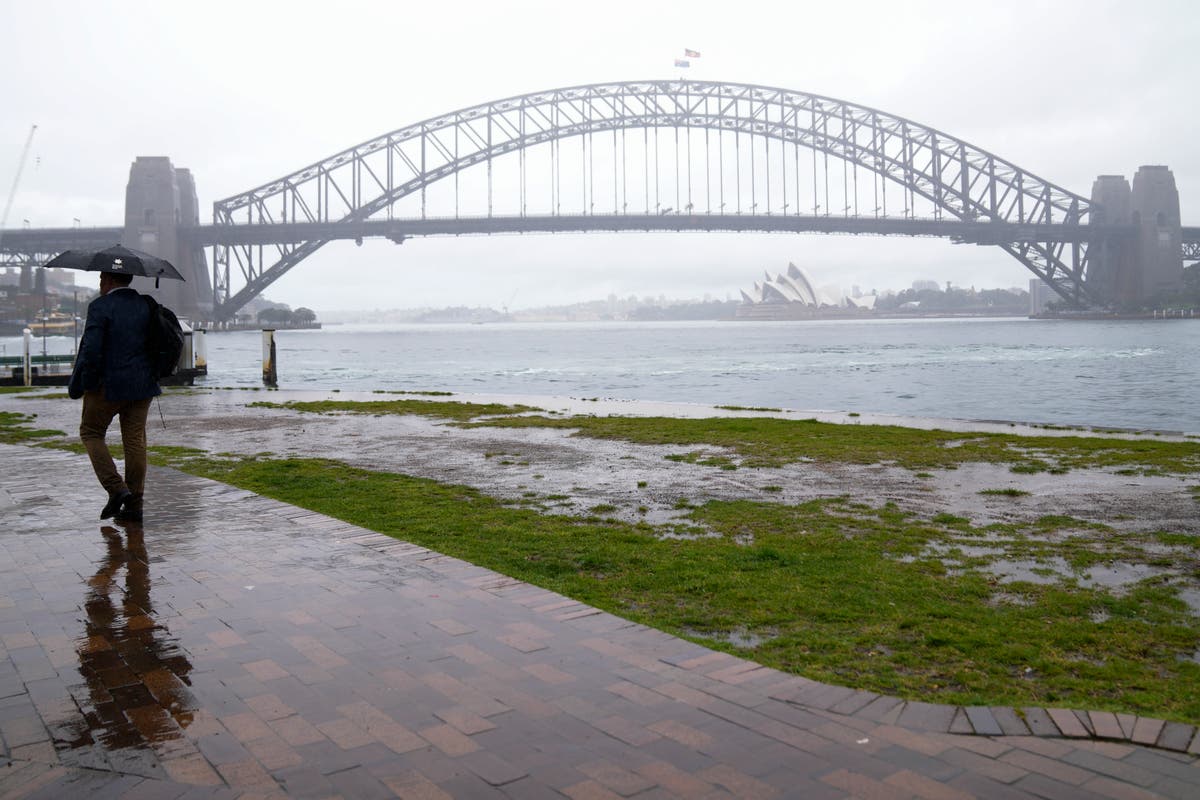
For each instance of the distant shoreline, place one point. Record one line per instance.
(589, 320)
(811, 318)
(1179, 314)
(311, 326)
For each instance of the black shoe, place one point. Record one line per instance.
(114, 503)
(128, 515)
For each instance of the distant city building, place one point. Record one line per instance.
(926, 286)
(865, 301)
(1040, 296)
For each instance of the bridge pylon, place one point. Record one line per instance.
(1127, 272)
(1113, 274)
(159, 199)
(1156, 213)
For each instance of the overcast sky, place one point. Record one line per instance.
(245, 92)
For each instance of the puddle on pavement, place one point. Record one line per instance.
(131, 682)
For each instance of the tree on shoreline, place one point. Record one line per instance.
(285, 317)
(303, 316)
(957, 300)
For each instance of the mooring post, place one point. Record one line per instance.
(199, 351)
(270, 375)
(26, 360)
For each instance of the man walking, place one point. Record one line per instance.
(113, 376)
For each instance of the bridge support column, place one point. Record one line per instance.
(1160, 245)
(1113, 270)
(1131, 272)
(159, 200)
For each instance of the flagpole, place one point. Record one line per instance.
(682, 64)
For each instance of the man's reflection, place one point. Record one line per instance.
(134, 692)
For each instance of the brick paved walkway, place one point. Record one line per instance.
(238, 646)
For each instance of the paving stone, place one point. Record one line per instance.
(1176, 736)
(1038, 785)
(1050, 767)
(1068, 723)
(982, 721)
(880, 708)
(1146, 731)
(1039, 722)
(983, 766)
(496, 771)
(1011, 723)
(854, 703)
(1119, 790)
(916, 762)
(1161, 762)
(926, 716)
(960, 724)
(1127, 722)
(909, 741)
(1130, 773)
(360, 784)
(737, 782)
(924, 787)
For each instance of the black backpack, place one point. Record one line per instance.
(164, 339)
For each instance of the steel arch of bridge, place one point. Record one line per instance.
(961, 180)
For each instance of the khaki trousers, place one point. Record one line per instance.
(97, 415)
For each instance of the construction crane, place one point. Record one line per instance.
(17, 180)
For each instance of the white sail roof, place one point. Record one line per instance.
(793, 287)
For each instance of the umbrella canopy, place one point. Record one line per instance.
(117, 259)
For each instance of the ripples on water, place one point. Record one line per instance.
(1131, 374)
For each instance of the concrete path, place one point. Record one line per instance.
(235, 646)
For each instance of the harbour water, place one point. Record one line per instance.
(1140, 374)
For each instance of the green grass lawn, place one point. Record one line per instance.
(14, 428)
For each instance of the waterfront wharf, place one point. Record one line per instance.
(45, 370)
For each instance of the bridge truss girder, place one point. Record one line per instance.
(960, 180)
(33, 247)
(1191, 251)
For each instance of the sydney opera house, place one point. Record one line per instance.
(794, 296)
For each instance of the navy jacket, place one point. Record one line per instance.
(112, 352)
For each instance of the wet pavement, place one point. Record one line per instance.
(235, 646)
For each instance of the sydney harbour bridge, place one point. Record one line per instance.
(667, 155)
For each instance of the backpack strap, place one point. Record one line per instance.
(151, 319)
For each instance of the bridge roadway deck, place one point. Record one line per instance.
(50, 241)
(237, 646)
(399, 229)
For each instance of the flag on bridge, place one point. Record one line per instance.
(691, 53)
(682, 62)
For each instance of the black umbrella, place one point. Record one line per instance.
(116, 259)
